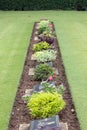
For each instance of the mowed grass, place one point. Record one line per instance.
(15, 31)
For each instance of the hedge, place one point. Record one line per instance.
(43, 4)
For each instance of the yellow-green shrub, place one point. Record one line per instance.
(41, 46)
(45, 104)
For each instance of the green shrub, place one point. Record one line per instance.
(45, 55)
(41, 4)
(43, 26)
(42, 72)
(81, 5)
(45, 104)
(41, 46)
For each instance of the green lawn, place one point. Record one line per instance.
(15, 31)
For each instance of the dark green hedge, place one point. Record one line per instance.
(43, 4)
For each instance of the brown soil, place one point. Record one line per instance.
(20, 113)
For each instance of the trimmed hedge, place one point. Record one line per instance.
(43, 4)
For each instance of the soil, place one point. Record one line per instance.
(20, 113)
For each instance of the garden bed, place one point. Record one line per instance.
(20, 113)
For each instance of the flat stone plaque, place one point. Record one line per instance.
(36, 26)
(33, 57)
(45, 124)
(36, 32)
(38, 88)
(35, 38)
(56, 71)
(63, 126)
(31, 71)
(24, 126)
(28, 92)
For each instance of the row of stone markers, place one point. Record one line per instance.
(44, 53)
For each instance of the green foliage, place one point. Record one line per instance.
(45, 55)
(42, 72)
(41, 46)
(61, 89)
(47, 87)
(41, 4)
(45, 104)
(81, 5)
(43, 26)
(13, 27)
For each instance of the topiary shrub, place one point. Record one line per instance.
(45, 104)
(42, 72)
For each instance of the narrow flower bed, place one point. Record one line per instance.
(20, 113)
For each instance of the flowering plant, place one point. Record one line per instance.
(45, 55)
(48, 37)
(43, 26)
(52, 77)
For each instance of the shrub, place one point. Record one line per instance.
(45, 55)
(49, 38)
(41, 46)
(81, 5)
(40, 5)
(45, 104)
(42, 72)
(43, 26)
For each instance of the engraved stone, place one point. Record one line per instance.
(31, 71)
(24, 126)
(56, 71)
(35, 38)
(36, 26)
(33, 57)
(39, 87)
(28, 93)
(63, 126)
(51, 122)
(36, 32)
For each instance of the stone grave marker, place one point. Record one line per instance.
(45, 124)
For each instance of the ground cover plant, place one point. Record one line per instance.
(45, 55)
(44, 26)
(71, 31)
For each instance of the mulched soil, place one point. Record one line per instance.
(20, 113)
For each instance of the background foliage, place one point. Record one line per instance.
(43, 4)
